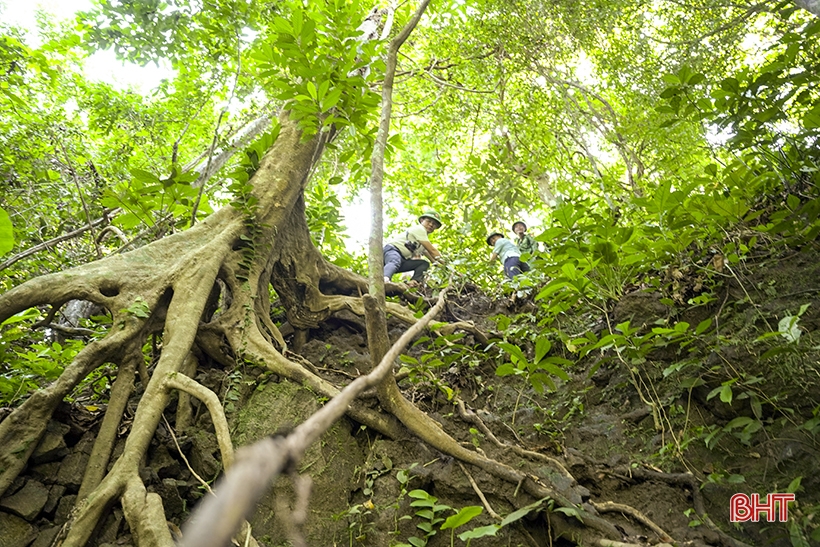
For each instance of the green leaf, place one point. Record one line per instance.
(569, 511)
(514, 351)
(6, 233)
(521, 513)
(703, 325)
(726, 394)
(554, 370)
(506, 369)
(741, 421)
(31, 313)
(479, 532)
(542, 347)
(462, 517)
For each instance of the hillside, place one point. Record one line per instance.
(641, 421)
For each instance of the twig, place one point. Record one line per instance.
(82, 200)
(55, 240)
(184, 459)
(471, 417)
(609, 506)
(480, 494)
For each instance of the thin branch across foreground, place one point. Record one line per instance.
(218, 518)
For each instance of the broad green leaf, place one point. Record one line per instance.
(462, 517)
(741, 421)
(506, 370)
(521, 513)
(542, 347)
(31, 313)
(514, 351)
(726, 394)
(479, 532)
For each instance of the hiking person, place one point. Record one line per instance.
(506, 251)
(403, 254)
(525, 242)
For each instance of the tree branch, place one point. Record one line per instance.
(53, 241)
(216, 520)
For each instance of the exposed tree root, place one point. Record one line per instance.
(607, 506)
(107, 434)
(21, 431)
(689, 481)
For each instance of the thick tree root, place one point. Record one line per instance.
(21, 431)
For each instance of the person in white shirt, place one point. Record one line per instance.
(400, 253)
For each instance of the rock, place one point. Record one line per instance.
(52, 446)
(85, 444)
(111, 528)
(46, 537)
(64, 509)
(171, 500)
(15, 532)
(16, 485)
(71, 470)
(163, 464)
(201, 458)
(46, 473)
(54, 494)
(28, 502)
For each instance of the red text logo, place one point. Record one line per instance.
(743, 507)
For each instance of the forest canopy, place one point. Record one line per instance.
(655, 147)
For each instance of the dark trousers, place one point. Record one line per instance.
(513, 266)
(394, 263)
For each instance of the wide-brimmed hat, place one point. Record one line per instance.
(517, 222)
(433, 215)
(493, 234)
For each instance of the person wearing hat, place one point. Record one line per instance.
(508, 253)
(526, 243)
(403, 254)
